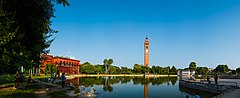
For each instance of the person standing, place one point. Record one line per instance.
(17, 80)
(208, 80)
(63, 80)
(216, 80)
(197, 95)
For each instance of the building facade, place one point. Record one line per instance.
(146, 52)
(185, 72)
(64, 65)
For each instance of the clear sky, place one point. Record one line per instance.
(179, 31)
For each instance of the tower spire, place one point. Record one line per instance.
(146, 52)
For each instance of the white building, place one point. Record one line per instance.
(185, 72)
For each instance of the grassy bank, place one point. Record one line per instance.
(27, 92)
(6, 79)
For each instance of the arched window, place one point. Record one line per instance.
(60, 63)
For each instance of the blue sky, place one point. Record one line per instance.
(179, 31)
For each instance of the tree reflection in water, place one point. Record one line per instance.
(107, 82)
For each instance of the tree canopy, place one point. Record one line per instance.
(25, 32)
(221, 69)
(193, 66)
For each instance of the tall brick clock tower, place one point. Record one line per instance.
(146, 52)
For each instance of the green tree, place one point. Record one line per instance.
(137, 68)
(112, 69)
(87, 68)
(125, 70)
(173, 70)
(107, 63)
(238, 70)
(50, 69)
(221, 69)
(145, 69)
(193, 66)
(153, 69)
(25, 32)
(202, 70)
(97, 69)
(158, 69)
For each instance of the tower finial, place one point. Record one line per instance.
(146, 37)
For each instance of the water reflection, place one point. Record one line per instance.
(145, 90)
(122, 87)
(108, 81)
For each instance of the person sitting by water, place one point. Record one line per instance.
(54, 78)
(30, 80)
(21, 80)
(197, 95)
(71, 84)
(92, 90)
(82, 89)
(187, 96)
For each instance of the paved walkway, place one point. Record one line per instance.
(43, 93)
(233, 94)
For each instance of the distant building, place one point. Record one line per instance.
(146, 52)
(210, 69)
(64, 65)
(185, 72)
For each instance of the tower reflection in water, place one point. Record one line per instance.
(145, 90)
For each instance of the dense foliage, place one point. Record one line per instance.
(25, 32)
(50, 69)
(107, 82)
(202, 70)
(238, 70)
(193, 66)
(88, 68)
(221, 69)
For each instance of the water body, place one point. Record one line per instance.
(137, 87)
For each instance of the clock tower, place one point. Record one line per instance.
(146, 52)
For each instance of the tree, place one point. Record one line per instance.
(158, 69)
(145, 69)
(238, 70)
(25, 32)
(125, 70)
(221, 69)
(153, 69)
(87, 68)
(97, 69)
(107, 63)
(137, 68)
(112, 69)
(192, 66)
(202, 70)
(173, 70)
(50, 69)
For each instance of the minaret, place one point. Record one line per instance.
(146, 52)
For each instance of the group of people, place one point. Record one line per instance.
(215, 79)
(196, 96)
(83, 91)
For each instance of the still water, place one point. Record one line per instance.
(137, 87)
